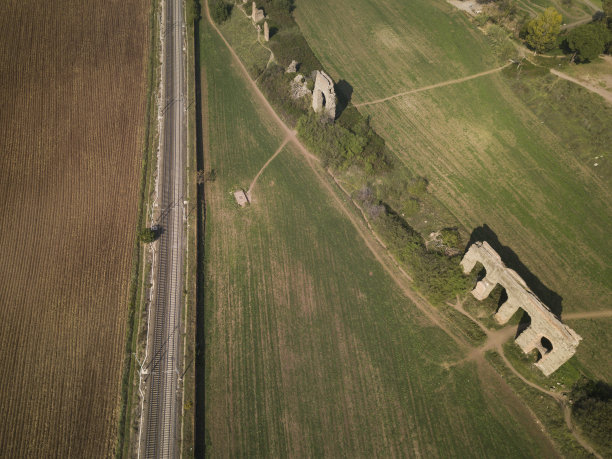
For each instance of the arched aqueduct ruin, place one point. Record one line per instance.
(323, 95)
(555, 341)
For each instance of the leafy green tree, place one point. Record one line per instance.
(607, 8)
(193, 11)
(543, 30)
(220, 11)
(592, 411)
(147, 235)
(588, 41)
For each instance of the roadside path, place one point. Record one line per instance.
(434, 86)
(607, 95)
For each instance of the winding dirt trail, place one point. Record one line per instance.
(276, 153)
(607, 95)
(434, 86)
(495, 339)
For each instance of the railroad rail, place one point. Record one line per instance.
(161, 371)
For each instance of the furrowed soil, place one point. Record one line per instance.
(310, 348)
(72, 86)
(489, 156)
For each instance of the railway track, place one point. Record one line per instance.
(161, 409)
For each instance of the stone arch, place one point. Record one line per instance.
(555, 341)
(324, 96)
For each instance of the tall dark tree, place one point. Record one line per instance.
(588, 41)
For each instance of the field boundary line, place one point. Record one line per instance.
(434, 86)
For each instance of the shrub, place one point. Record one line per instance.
(193, 11)
(592, 411)
(147, 235)
(220, 11)
(450, 237)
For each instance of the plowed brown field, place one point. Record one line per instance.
(72, 91)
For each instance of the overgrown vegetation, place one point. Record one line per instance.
(147, 235)
(220, 11)
(592, 412)
(588, 41)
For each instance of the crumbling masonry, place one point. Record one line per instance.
(324, 96)
(257, 14)
(545, 329)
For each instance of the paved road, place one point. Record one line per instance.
(160, 433)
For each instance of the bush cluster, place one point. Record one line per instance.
(220, 10)
(438, 277)
(340, 147)
(592, 411)
(589, 40)
(275, 84)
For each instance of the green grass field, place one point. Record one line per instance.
(573, 10)
(489, 158)
(310, 348)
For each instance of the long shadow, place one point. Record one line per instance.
(200, 398)
(344, 92)
(549, 297)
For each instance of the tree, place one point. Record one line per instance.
(193, 11)
(147, 235)
(588, 41)
(543, 30)
(607, 8)
(592, 412)
(221, 11)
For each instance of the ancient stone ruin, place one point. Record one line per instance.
(257, 15)
(241, 198)
(324, 96)
(299, 87)
(293, 67)
(266, 31)
(555, 341)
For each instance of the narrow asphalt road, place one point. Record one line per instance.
(159, 437)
